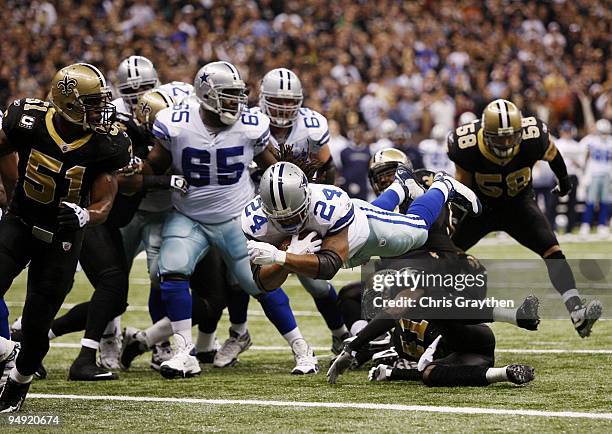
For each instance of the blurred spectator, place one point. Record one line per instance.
(354, 161)
(574, 155)
(434, 151)
(598, 175)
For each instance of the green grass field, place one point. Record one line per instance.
(565, 381)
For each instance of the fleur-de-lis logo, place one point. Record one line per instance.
(146, 109)
(66, 85)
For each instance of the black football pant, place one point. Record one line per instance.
(50, 278)
(104, 263)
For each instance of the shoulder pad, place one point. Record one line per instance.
(253, 221)
(316, 125)
(254, 124)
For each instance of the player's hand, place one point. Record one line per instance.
(72, 217)
(134, 167)
(344, 361)
(380, 373)
(305, 245)
(179, 183)
(265, 254)
(563, 188)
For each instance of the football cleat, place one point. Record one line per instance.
(305, 360)
(338, 343)
(41, 372)
(8, 360)
(585, 317)
(134, 344)
(84, 370)
(110, 352)
(161, 353)
(206, 357)
(527, 314)
(409, 182)
(181, 365)
(235, 345)
(520, 374)
(385, 357)
(460, 194)
(12, 396)
(380, 373)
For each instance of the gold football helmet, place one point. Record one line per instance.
(381, 169)
(149, 104)
(502, 129)
(79, 93)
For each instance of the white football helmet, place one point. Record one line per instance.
(280, 97)
(285, 196)
(135, 76)
(220, 89)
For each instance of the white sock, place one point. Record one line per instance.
(21, 379)
(51, 335)
(113, 327)
(5, 348)
(569, 294)
(293, 335)
(90, 343)
(339, 332)
(503, 314)
(496, 375)
(182, 329)
(358, 326)
(159, 332)
(440, 185)
(206, 342)
(239, 328)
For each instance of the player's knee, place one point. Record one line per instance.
(316, 288)
(114, 280)
(174, 258)
(427, 376)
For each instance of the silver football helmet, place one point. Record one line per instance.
(135, 75)
(280, 96)
(285, 197)
(220, 89)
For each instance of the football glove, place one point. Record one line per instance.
(428, 356)
(72, 217)
(380, 373)
(344, 361)
(304, 246)
(265, 254)
(563, 188)
(179, 183)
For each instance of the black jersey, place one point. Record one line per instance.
(51, 170)
(495, 179)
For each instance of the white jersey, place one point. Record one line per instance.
(308, 134)
(330, 211)
(573, 153)
(178, 90)
(213, 164)
(122, 107)
(600, 154)
(435, 156)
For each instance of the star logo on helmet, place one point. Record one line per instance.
(66, 85)
(203, 78)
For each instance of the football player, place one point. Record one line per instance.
(351, 230)
(303, 134)
(211, 141)
(68, 150)
(495, 155)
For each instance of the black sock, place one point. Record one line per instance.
(73, 321)
(87, 355)
(562, 279)
(460, 375)
(374, 329)
(406, 374)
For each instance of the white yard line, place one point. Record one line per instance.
(286, 348)
(349, 405)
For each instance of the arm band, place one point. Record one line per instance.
(155, 182)
(329, 264)
(557, 165)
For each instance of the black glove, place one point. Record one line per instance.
(564, 187)
(72, 217)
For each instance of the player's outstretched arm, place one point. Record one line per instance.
(103, 192)
(265, 159)
(132, 179)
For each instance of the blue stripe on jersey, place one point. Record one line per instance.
(263, 138)
(161, 131)
(396, 222)
(324, 138)
(391, 214)
(343, 222)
